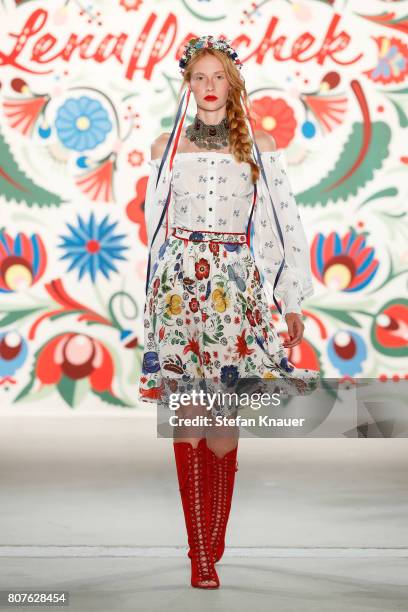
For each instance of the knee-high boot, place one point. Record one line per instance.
(193, 484)
(221, 478)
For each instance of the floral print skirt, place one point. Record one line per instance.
(206, 316)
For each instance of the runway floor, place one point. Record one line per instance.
(90, 505)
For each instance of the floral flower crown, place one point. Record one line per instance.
(209, 42)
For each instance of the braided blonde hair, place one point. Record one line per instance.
(240, 141)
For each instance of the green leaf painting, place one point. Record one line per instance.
(16, 185)
(351, 172)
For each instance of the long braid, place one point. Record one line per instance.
(240, 139)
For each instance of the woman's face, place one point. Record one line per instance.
(209, 79)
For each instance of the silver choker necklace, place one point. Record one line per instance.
(207, 136)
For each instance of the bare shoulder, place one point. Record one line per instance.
(159, 145)
(264, 140)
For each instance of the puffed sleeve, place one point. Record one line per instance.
(155, 216)
(295, 281)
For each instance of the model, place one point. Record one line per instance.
(225, 238)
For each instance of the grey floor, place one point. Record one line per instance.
(89, 504)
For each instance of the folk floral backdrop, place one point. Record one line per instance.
(86, 85)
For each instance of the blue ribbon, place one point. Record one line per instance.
(163, 160)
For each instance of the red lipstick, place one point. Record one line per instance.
(210, 98)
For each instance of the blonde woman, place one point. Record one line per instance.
(207, 312)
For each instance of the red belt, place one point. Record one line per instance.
(208, 236)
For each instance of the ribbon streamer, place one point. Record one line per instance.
(162, 164)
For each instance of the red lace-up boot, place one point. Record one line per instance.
(193, 484)
(221, 478)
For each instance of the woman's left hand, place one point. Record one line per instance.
(295, 329)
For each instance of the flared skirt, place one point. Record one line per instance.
(206, 316)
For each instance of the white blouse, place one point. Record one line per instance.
(212, 191)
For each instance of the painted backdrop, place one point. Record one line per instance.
(87, 85)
